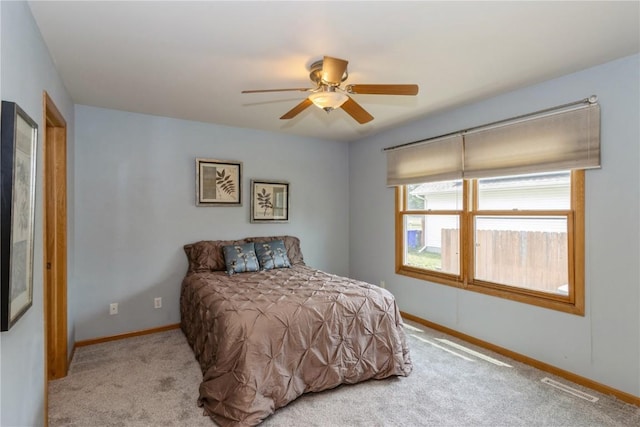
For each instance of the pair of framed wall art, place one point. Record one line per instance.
(219, 183)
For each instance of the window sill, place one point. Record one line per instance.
(540, 299)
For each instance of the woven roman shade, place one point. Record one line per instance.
(553, 140)
(437, 160)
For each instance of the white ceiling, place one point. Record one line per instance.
(190, 60)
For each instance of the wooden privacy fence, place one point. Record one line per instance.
(527, 259)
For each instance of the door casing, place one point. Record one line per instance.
(54, 144)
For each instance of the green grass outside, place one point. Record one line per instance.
(429, 260)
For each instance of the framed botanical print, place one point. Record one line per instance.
(18, 181)
(218, 182)
(269, 201)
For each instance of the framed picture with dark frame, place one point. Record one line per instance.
(269, 201)
(18, 181)
(218, 182)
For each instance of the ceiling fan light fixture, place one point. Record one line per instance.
(328, 74)
(328, 100)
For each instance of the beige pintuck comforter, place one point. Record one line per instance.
(262, 339)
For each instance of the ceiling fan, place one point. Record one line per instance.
(328, 74)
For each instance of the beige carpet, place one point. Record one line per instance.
(153, 380)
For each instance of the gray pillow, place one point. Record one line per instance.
(272, 255)
(240, 258)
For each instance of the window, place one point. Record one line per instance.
(499, 208)
(517, 237)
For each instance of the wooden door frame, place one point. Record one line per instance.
(54, 143)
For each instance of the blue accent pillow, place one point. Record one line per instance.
(272, 254)
(240, 258)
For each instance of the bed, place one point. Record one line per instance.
(263, 338)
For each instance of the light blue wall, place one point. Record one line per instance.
(27, 70)
(131, 208)
(604, 345)
(135, 193)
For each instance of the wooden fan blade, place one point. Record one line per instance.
(383, 89)
(296, 89)
(297, 109)
(356, 111)
(333, 69)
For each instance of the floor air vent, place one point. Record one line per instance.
(570, 390)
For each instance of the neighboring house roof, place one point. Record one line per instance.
(549, 179)
(436, 187)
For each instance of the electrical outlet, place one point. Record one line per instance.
(157, 302)
(382, 284)
(113, 308)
